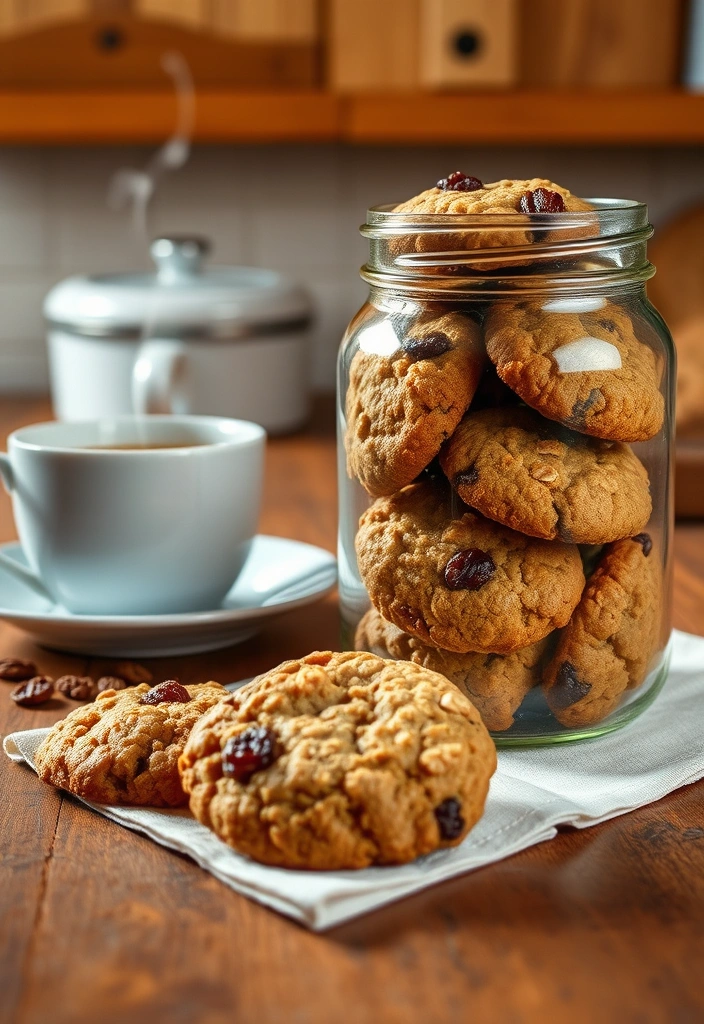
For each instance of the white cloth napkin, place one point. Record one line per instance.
(532, 792)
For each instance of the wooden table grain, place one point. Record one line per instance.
(101, 925)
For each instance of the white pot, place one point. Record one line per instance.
(223, 341)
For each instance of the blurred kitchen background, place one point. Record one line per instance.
(308, 111)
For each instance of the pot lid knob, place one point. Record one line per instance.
(179, 256)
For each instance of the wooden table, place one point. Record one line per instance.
(100, 925)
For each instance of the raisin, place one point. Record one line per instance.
(412, 620)
(111, 683)
(248, 752)
(579, 412)
(430, 347)
(77, 687)
(469, 570)
(569, 688)
(133, 673)
(170, 691)
(449, 818)
(33, 691)
(15, 671)
(458, 181)
(542, 200)
(466, 479)
(646, 540)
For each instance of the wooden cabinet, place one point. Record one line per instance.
(229, 43)
(601, 43)
(397, 45)
(468, 43)
(372, 45)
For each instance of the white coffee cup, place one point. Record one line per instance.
(113, 530)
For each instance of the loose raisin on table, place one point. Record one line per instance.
(15, 671)
(77, 687)
(248, 752)
(111, 683)
(168, 692)
(34, 691)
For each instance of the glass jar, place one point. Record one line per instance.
(505, 401)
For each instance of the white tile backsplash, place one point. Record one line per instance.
(294, 208)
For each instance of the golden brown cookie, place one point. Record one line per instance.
(544, 480)
(340, 761)
(496, 684)
(584, 368)
(402, 404)
(609, 643)
(122, 750)
(461, 582)
(462, 195)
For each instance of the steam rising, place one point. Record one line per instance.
(134, 189)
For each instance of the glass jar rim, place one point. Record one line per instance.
(426, 252)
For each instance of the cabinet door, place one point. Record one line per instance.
(468, 43)
(600, 42)
(294, 21)
(183, 12)
(373, 45)
(24, 15)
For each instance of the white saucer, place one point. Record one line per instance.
(279, 575)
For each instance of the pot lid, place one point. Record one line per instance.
(181, 298)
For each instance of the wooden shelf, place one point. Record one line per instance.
(556, 118)
(561, 118)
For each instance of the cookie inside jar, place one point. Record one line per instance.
(505, 414)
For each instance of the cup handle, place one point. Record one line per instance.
(6, 473)
(25, 575)
(20, 572)
(155, 378)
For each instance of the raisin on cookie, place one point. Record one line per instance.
(608, 645)
(122, 749)
(459, 581)
(496, 684)
(401, 405)
(544, 480)
(340, 761)
(585, 368)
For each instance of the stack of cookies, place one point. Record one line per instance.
(506, 545)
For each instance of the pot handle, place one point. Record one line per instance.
(158, 378)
